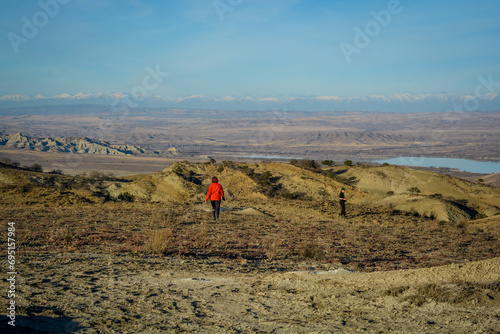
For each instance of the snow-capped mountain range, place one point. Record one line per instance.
(385, 103)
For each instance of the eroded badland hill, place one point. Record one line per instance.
(417, 253)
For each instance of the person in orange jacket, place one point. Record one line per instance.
(215, 193)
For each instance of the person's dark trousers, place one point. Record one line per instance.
(215, 209)
(342, 208)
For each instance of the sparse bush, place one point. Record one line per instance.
(201, 238)
(190, 176)
(307, 164)
(57, 172)
(220, 169)
(103, 194)
(385, 164)
(310, 164)
(228, 164)
(293, 162)
(390, 193)
(348, 163)
(480, 180)
(480, 216)
(6, 161)
(247, 170)
(463, 224)
(396, 291)
(272, 251)
(36, 168)
(212, 161)
(286, 194)
(413, 212)
(331, 174)
(328, 162)
(126, 197)
(312, 251)
(9, 162)
(179, 170)
(414, 190)
(264, 179)
(159, 241)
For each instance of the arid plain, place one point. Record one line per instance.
(231, 134)
(137, 252)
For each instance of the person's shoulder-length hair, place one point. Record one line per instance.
(215, 179)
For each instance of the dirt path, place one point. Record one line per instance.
(93, 293)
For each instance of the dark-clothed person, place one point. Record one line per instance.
(215, 194)
(342, 202)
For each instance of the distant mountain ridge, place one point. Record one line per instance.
(81, 145)
(387, 103)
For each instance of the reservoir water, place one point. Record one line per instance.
(486, 167)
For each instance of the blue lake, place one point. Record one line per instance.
(486, 167)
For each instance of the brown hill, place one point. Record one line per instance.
(396, 188)
(184, 181)
(426, 193)
(390, 188)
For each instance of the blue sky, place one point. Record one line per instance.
(259, 47)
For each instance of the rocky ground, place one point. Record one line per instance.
(96, 293)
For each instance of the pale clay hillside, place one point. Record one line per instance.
(77, 145)
(429, 194)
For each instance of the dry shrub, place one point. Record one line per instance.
(201, 238)
(452, 293)
(63, 235)
(159, 241)
(435, 226)
(463, 224)
(396, 291)
(272, 250)
(312, 250)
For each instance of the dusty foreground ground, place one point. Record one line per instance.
(92, 269)
(92, 293)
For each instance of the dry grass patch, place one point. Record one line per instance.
(452, 293)
(159, 241)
